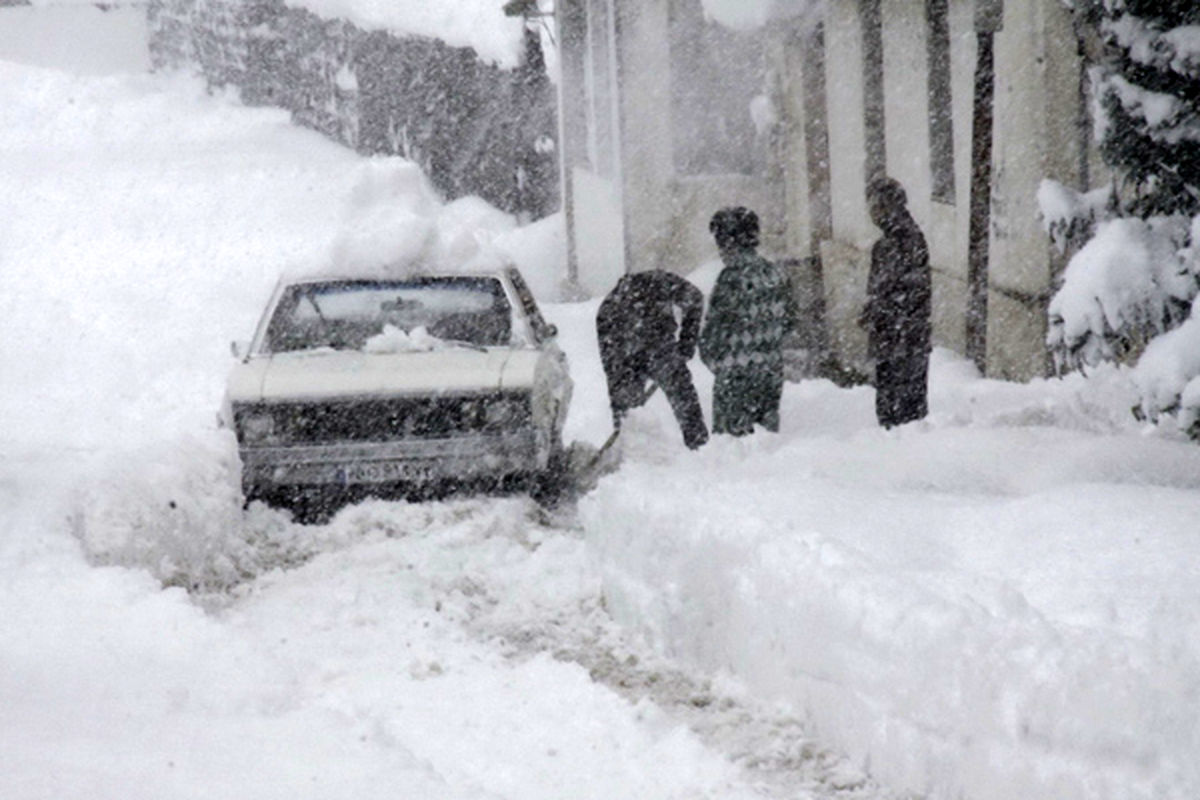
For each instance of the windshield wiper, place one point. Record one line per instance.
(320, 315)
(326, 325)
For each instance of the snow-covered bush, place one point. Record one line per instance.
(1135, 281)
(1132, 281)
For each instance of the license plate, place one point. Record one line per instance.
(381, 472)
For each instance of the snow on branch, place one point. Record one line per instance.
(1134, 280)
(1070, 216)
(1168, 118)
(1177, 49)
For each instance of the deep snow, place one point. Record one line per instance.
(998, 602)
(446, 650)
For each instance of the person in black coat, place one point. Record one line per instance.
(637, 329)
(899, 306)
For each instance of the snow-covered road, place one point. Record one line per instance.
(998, 602)
(439, 651)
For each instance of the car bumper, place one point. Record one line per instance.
(413, 462)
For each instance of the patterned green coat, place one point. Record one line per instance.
(750, 312)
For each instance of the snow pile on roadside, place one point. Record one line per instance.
(174, 512)
(388, 220)
(1005, 609)
(393, 223)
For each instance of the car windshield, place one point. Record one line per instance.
(390, 316)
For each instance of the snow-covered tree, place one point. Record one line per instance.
(1138, 277)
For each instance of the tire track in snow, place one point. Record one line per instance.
(775, 750)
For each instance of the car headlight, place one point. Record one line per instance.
(257, 428)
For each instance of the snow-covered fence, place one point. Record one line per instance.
(475, 128)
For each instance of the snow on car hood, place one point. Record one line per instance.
(343, 373)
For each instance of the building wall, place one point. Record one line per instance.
(88, 39)
(663, 214)
(1035, 136)
(647, 160)
(666, 214)
(845, 256)
(844, 100)
(1036, 105)
(787, 50)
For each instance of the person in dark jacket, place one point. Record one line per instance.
(899, 305)
(750, 312)
(636, 325)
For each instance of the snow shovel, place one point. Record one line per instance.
(612, 437)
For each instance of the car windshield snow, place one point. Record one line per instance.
(390, 316)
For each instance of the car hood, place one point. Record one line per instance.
(327, 374)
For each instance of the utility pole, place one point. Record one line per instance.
(989, 19)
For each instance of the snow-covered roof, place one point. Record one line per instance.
(478, 24)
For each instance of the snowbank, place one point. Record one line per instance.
(392, 222)
(995, 603)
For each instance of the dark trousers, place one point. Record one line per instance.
(627, 389)
(901, 389)
(746, 396)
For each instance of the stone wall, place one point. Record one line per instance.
(474, 128)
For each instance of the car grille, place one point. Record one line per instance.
(329, 422)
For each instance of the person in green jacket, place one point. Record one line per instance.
(751, 310)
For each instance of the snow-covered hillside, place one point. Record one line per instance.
(998, 602)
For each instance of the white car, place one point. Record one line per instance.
(383, 385)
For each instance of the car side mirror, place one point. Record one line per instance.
(239, 349)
